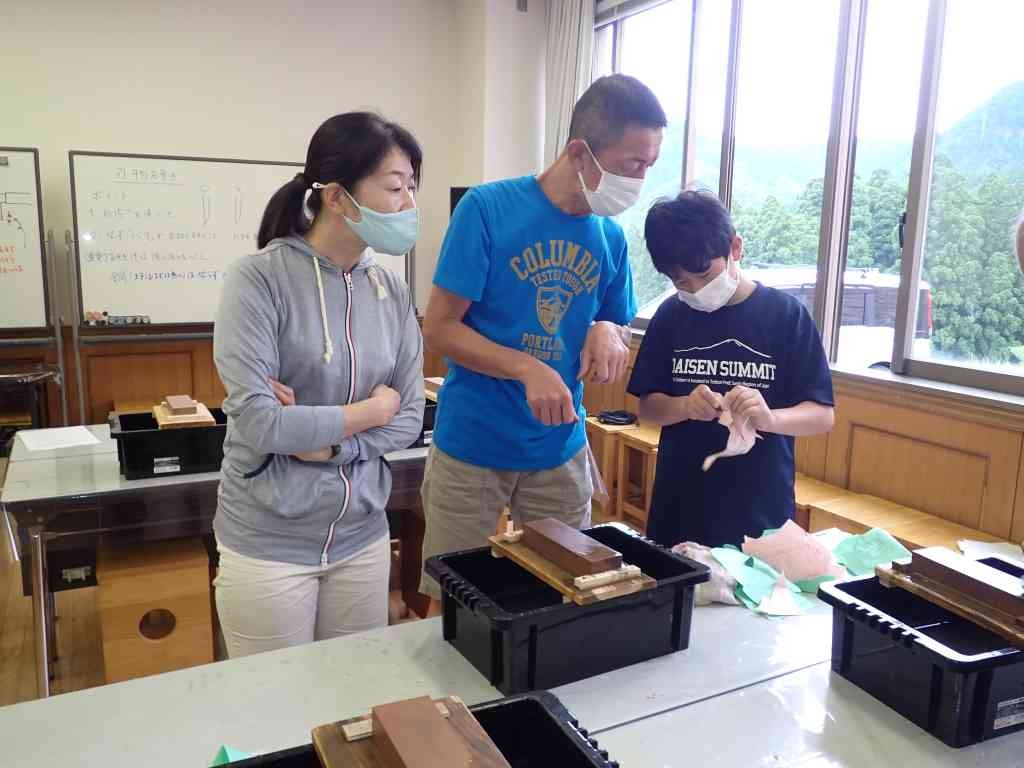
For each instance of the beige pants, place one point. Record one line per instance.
(265, 605)
(462, 502)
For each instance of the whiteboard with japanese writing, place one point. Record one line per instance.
(22, 268)
(156, 235)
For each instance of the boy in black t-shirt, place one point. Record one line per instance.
(725, 342)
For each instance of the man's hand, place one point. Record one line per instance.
(547, 395)
(605, 354)
(747, 403)
(703, 404)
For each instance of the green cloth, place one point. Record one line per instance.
(227, 755)
(860, 554)
(755, 579)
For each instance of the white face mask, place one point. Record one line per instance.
(715, 294)
(614, 194)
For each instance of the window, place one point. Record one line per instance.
(655, 49)
(887, 114)
(713, 22)
(604, 51)
(784, 95)
(976, 189)
(927, 123)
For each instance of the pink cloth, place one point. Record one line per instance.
(795, 554)
(742, 437)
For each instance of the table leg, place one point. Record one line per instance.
(413, 529)
(40, 610)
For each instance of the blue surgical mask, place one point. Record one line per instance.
(390, 233)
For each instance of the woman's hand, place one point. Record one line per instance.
(286, 396)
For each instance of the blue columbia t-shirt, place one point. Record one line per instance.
(768, 342)
(537, 278)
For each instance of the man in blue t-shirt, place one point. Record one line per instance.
(532, 296)
(724, 343)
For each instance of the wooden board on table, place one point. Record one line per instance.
(336, 751)
(562, 580)
(166, 420)
(967, 607)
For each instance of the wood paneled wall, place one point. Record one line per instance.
(941, 453)
(946, 454)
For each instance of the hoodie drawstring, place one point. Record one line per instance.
(328, 344)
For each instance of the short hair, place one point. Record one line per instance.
(687, 232)
(610, 104)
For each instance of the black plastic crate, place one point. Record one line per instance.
(517, 631)
(956, 680)
(533, 730)
(145, 450)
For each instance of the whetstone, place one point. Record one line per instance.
(413, 734)
(180, 405)
(572, 551)
(337, 750)
(978, 581)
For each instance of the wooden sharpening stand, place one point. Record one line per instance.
(975, 591)
(580, 588)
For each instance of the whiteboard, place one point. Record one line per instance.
(22, 268)
(156, 235)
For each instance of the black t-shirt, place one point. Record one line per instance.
(768, 342)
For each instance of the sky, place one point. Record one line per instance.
(787, 63)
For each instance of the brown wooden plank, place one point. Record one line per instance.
(412, 734)
(562, 580)
(955, 602)
(335, 751)
(569, 549)
(989, 586)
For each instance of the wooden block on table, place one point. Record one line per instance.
(570, 550)
(180, 405)
(167, 420)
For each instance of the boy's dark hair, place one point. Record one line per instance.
(610, 104)
(687, 232)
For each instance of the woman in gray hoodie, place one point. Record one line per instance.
(322, 361)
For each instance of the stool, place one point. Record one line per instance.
(604, 442)
(638, 456)
(154, 606)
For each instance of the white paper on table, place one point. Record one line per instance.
(781, 601)
(979, 549)
(59, 437)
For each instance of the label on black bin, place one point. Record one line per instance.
(166, 465)
(1009, 712)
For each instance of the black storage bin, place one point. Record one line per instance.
(144, 450)
(956, 680)
(516, 630)
(532, 731)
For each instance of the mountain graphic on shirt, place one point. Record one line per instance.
(734, 342)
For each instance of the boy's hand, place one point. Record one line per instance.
(747, 403)
(703, 404)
